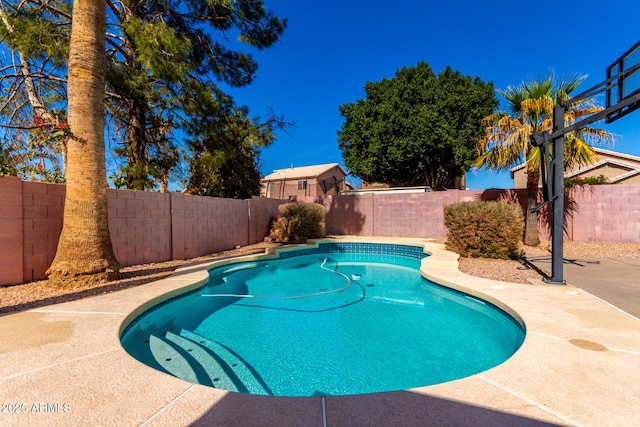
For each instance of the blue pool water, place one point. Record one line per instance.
(323, 323)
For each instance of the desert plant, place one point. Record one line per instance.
(298, 222)
(484, 229)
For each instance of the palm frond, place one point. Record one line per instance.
(537, 110)
(534, 158)
(498, 158)
(539, 89)
(578, 152)
(595, 136)
(514, 95)
(565, 87)
(507, 136)
(582, 112)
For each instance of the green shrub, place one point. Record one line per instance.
(298, 222)
(484, 229)
(591, 180)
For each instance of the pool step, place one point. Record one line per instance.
(175, 357)
(192, 357)
(183, 358)
(217, 374)
(241, 369)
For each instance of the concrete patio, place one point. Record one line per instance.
(579, 365)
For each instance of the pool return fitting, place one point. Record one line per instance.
(293, 296)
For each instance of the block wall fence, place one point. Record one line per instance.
(602, 213)
(153, 227)
(145, 227)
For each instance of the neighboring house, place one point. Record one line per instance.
(619, 168)
(317, 180)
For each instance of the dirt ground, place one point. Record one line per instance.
(40, 293)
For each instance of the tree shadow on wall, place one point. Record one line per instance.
(545, 217)
(344, 214)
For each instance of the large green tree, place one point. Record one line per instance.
(507, 140)
(162, 58)
(417, 128)
(168, 56)
(33, 86)
(225, 153)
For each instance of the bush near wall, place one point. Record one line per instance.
(298, 222)
(591, 180)
(484, 229)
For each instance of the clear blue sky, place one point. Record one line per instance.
(331, 48)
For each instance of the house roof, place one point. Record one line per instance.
(301, 172)
(601, 163)
(603, 152)
(624, 176)
(617, 154)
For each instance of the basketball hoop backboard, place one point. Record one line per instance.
(625, 83)
(622, 88)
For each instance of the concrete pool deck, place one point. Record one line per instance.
(579, 365)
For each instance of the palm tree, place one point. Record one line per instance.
(507, 135)
(85, 244)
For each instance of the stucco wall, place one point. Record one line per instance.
(288, 188)
(635, 179)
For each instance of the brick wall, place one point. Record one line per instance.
(203, 225)
(145, 227)
(11, 234)
(606, 213)
(140, 226)
(154, 227)
(602, 213)
(42, 209)
(398, 215)
(350, 215)
(261, 212)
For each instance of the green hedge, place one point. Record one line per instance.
(298, 222)
(591, 180)
(484, 229)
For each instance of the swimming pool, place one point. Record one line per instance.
(335, 319)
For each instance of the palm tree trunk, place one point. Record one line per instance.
(85, 244)
(531, 235)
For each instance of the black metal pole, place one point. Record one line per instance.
(557, 231)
